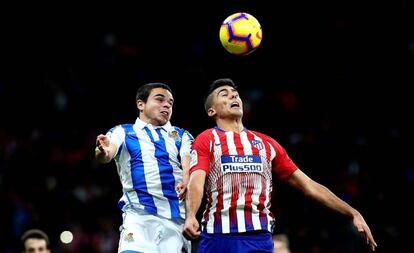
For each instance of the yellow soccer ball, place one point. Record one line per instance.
(240, 33)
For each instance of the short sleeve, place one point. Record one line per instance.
(200, 153)
(116, 136)
(282, 165)
(186, 143)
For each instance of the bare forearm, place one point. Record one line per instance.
(195, 192)
(185, 163)
(324, 196)
(194, 198)
(320, 193)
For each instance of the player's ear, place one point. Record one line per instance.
(140, 104)
(211, 112)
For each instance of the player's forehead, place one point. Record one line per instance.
(35, 243)
(224, 88)
(161, 92)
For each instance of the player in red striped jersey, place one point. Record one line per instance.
(234, 166)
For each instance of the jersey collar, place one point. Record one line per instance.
(141, 125)
(221, 130)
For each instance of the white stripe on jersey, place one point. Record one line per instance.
(247, 146)
(255, 202)
(241, 226)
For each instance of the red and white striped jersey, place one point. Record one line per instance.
(239, 178)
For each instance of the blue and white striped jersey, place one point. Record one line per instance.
(148, 159)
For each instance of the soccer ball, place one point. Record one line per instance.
(240, 33)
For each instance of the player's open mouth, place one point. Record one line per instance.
(235, 104)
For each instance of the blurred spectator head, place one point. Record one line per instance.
(35, 241)
(281, 243)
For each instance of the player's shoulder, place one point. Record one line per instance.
(178, 129)
(266, 138)
(181, 131)
(262, 135)
(206, 133)
(120, 127)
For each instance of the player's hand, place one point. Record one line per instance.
(191, 228)
(182, 190)
(363, 229)
(102, 144)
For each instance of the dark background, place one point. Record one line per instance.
(331, 81)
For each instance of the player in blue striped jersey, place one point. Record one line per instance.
(152, 159)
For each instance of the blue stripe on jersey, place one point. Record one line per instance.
(166, 173)
(137, 169)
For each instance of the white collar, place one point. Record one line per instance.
(141, 125)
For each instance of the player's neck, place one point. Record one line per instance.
(234, 125)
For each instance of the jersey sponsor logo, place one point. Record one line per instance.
(257, 144)
(193, 158)
(241, 163)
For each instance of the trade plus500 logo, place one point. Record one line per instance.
(241, 163)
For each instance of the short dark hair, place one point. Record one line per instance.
(216, 84)
(144, 91)
(36, 234)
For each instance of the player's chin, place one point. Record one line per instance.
(237, 113)
(163, 119)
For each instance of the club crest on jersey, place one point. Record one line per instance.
(174, 134)
(257, 144)
(129, 237)
(241, 163)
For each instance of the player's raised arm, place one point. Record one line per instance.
(323, 195)
(105, 150)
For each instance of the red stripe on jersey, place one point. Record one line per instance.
(219, 206)
(233, 203)
(223, 142)
(220, 192)
(261, 206)
(238, 143)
